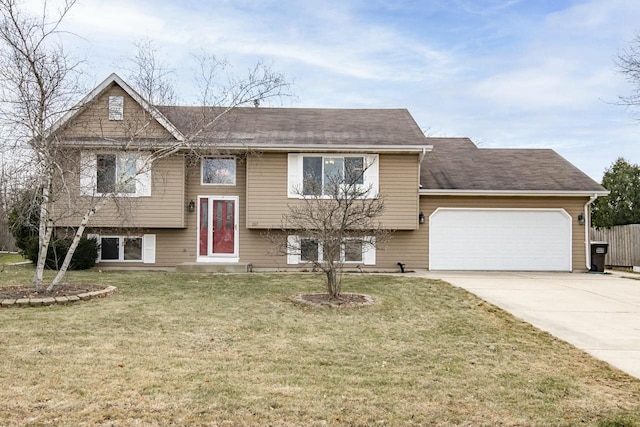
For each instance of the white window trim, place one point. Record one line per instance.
(148, 249)
(235, 170)
(295, 173)
(234, 257)
(294, 251)
(88, 174)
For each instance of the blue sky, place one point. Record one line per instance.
(528, 73)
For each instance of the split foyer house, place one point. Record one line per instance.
(450, 204)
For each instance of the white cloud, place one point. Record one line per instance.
(118, 20)
(507, 73)
(484, 7)
(554, 83)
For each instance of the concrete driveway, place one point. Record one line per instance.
(598, 313)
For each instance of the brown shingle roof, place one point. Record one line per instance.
(454, 163)
(457, 164)
(298, 126)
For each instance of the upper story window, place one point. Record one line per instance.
(218, 171)
(116, 107)
(322, 175)
(122, 174)
(112, 169)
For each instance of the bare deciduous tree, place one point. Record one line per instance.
(39, 86)
(335, 220)
(628, 63)
(152, 77)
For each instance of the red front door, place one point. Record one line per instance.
(216, 231)
(223, 231)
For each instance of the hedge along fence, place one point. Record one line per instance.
(624, 244)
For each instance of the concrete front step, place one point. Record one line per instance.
(219, 267)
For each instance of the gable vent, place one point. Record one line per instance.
(116, 107)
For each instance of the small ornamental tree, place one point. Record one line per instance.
(337, 216)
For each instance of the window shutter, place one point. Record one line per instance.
(88, 171)
(371, 175)
(293, 250)
(369, 255)
(149, 249)
(143, 180)
(294, 175)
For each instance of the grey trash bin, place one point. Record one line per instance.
(598, 251)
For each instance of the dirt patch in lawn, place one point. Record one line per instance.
(62, 290)
(346, 300)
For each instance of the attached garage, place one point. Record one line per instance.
(500, 239)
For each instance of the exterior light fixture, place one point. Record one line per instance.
(421, 218)
(580, 219)
(192, 206)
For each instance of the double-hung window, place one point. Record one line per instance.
(116, 173)
(325, 175)
(122, 174)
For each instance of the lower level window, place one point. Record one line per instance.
(120, 248)
(311, 250)
(353, 251)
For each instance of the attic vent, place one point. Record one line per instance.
(116, 107)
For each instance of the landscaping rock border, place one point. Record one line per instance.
(46, 301)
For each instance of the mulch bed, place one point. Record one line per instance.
(345, 300)
(62, 290)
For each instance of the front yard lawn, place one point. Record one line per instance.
(9, 258)
(191, 350)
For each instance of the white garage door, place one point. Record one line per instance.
(500, 239)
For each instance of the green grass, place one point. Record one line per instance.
(198, 350)
(11, 258)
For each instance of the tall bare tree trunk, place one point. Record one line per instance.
(74, 245)
(333, 285)
(44, 235)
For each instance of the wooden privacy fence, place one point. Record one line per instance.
(624, 244)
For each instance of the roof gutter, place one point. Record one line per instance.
(287, 148)
(513, 193)
(341, 148)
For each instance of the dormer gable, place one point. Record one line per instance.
(113, 110)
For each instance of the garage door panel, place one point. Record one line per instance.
(500, 239)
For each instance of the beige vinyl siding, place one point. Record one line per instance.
(181, 245)
(573, 205)
(93, 122)
(268, 201)
(165, 208)
(266, 190)
(410, 247)
(175, 246)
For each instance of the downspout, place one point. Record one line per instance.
(587, 228)
(420, 159)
